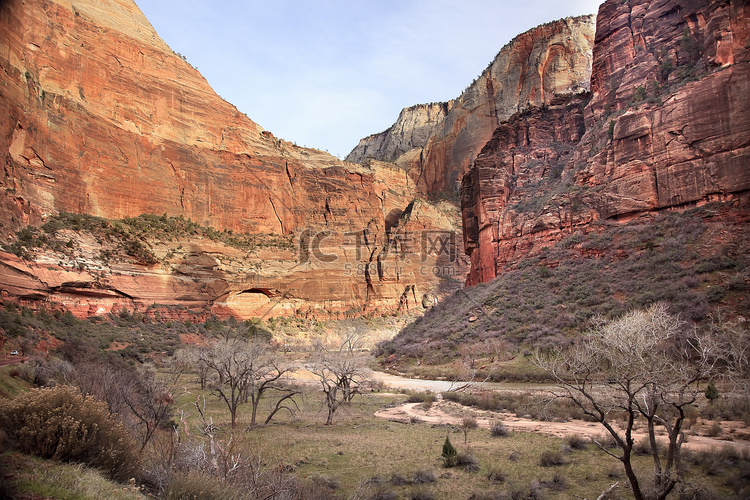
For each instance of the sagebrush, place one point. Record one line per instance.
(59, 423)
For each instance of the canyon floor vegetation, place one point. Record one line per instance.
(204, 420)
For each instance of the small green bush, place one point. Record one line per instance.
(428, 398)
(533, 491)
(639, 95)
(711, 392)
(421, 494)
(423, 476)
(578, 442)
(558, 483)
(398, 480)
(468, 461)
(665, 68)
(60, 424)
(449, 455)
(496, 476)
(716, 294)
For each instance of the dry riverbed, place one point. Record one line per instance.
(734, 434)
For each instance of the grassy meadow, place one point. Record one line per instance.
(360, 456)
(365, 456)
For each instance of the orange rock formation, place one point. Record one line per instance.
(100, 117)
(549, 59)
(667, 127)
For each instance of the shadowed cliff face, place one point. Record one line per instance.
(100, 117)
(544, 61)
(509, 193)
(666, 127)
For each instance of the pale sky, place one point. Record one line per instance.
(326, 73)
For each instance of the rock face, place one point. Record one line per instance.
(544, 61)
(103, 118)
(667, 127)
(100, 117)
(679, 113)
(503, 195)
(319, 273)
(411, 131)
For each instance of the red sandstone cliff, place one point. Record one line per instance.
(667, 127)
(509, 194)
(530, 70)
(100, 117)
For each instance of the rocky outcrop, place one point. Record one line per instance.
(667, 127)
(550, 59)
(411, 131)
(544, 61)
(514, 192)
(100, 117)
(103, 118)
(318, 273)
(678, 114)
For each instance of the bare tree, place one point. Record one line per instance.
(470, 353)
(182, 361)
(202, 370)
(269, 376)
(95, 378)
(730, 342)
(245, 371)
(148, 400)
(645, 365)
(25, 344)
(467, 370)
(341, 373)
(142, 401)
(498, 349)
(232, 361)
(468, 423)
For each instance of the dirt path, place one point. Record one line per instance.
(12, 360)
(438, 386)
(449, 413)
(734, 434)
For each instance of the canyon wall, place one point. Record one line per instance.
(667, 127)
(101, 117)
(503, 196)
(550, 59)
(411, 131)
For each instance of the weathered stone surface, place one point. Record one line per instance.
(646, 43)
(506, 195)
(674, 141)
(100, 117)
(658, 135)
(411, 131)
(549, 59)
